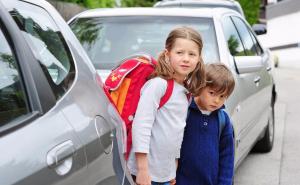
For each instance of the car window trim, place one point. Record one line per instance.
(236, 28)
(248, 30)
(18, 122)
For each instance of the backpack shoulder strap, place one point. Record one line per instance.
(168, 93)
(221, 117)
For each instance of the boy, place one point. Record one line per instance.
(207, 158)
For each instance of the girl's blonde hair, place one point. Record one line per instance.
(196, 79)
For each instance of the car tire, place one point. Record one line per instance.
(265, 144)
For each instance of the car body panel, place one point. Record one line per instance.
(77, 138)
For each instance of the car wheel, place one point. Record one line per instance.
(266, 143)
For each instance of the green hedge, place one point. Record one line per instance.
(111, 3)
(93, 3)
(251, 10)
(138, 3)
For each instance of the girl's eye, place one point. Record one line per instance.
(211, 92)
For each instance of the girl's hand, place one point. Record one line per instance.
(172, 182)
(143, 178)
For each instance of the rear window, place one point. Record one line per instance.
(109, 40)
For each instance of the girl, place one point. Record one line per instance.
(157, 133)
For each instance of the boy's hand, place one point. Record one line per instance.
(143, 178)
(172, 182)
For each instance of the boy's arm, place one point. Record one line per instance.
(226, 155)
(142, 176)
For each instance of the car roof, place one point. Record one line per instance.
(232, 4)
(195, 2)
(44, 4)
(107, 12)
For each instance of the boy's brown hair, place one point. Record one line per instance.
(219, 78)
(196, 79)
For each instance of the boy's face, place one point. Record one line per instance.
(209, 100)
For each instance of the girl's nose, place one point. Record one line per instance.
(186, 58)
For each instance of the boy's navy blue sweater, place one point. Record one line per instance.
(205, 158)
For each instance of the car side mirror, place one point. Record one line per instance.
(248, 64)
(259, 29)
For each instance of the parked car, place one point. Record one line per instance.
(231, 4)
(109, 35)
(57, 126)
(259, 29)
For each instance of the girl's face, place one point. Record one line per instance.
(183, 58)
(210, 100)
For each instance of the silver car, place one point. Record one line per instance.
(109, 35)
(231, 4)
(57, 126)
(258, 28)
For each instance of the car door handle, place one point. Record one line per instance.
(257, 79)
(57, 155)
(269, 68)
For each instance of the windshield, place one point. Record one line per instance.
(109, 40)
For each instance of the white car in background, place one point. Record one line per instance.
(109, 35)
(259, 29)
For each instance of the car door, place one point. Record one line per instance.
(250, 82)
(93, 117)
(261, 82)
(79, 100)
(38, 145)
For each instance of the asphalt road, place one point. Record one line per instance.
(282, 165)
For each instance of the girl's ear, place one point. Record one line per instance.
(167, 55)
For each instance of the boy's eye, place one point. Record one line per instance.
(223, 96)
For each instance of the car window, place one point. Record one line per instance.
(48, 45)
(259, 49)
(111, 39)
(13, 103)
(232, 37)
(250, 48)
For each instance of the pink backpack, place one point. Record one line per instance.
(124, 85)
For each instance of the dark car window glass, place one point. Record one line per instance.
(234, 42)
(12, 95)
(249, 46)
(48, 45)
(259, 50)
(109, 40)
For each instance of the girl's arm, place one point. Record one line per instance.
(226, 155)
(143, 122)
(142, 177)
(173, 181)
